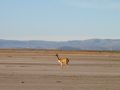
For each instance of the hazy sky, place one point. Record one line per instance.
(59, 19)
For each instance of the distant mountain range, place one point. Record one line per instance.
(90, 44)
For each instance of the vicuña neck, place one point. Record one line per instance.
(58, 57)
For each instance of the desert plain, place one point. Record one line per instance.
(32, 69)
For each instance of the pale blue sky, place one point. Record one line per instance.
(59, 20)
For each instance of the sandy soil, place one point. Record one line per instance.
(39, 70)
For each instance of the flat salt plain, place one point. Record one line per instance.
(30, 69)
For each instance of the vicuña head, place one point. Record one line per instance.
(56, 55)
(62, 61)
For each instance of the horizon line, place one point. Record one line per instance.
(62, 40)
